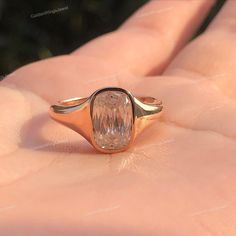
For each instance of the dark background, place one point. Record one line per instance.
(25, 38)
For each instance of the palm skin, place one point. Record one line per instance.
(177, 179)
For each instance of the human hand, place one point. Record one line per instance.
(178, 178)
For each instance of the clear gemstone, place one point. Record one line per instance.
(112, 118)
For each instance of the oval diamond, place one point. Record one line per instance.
(112, 118)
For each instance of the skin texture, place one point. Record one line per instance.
(179, 177)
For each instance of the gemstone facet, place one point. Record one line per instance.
(112, 118)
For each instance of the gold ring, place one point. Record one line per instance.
(110, 119)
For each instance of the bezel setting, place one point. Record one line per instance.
(132, 133)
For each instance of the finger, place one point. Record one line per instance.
(192, 104)
(212, 55)
(107, 61)
(225, 20)
(65, 77)
(149, 39)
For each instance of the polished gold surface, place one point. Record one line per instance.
(75, 113)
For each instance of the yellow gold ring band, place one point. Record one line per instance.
(110, 119)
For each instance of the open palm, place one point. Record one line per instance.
(179, 177)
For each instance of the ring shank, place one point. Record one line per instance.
(80, 100)
(145, 107)
(73, 101)
(150, 101)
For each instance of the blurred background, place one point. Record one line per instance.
(33, 30)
